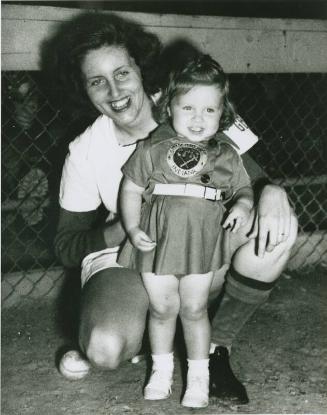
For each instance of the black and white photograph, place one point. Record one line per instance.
(163, 207)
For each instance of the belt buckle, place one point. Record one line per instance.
(211, 193)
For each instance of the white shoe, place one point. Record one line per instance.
(159, 385)
(73, 366)
(197, 392)
(137, 359)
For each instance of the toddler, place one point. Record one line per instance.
(175, 188)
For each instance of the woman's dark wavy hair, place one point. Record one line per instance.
(64, 54)
(197, 69)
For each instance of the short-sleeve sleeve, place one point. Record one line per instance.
(255, 171)
(78, 186)
(240, 176)
(139, 167)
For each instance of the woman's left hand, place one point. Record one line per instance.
(272, 222)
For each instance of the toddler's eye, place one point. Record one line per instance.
(187, 108)
(210, 110)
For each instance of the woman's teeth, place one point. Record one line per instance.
(120, 105)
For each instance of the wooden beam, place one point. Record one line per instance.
(242, 45)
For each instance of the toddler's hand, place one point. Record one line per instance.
(238, 216)
(141, 240)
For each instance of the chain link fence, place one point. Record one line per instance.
(287, 111)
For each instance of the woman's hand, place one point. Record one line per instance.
(141, 240)
(272, 221)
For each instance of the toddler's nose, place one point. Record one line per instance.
(197, 117)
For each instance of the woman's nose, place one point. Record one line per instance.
(114, 90)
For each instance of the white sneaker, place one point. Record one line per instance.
(159, 385)
(137, 359)
(197, 392)
(73, 366)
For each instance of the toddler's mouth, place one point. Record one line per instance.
(196, 130)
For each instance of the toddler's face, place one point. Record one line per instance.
(196, 114)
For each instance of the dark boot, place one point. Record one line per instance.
(223, 382)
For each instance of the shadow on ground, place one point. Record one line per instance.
(280, 355)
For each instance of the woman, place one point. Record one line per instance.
(111, 64)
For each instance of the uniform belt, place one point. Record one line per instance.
(188, 189)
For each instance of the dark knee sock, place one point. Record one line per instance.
(242, 297)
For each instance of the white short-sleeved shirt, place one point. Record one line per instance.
(92, 170)
(92, 175)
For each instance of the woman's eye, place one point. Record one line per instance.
(121, 75)
(210, 110)
(187, 108)
(97, 82)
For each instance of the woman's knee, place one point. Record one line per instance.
(283, 250)
(104, 349)
(270, 266)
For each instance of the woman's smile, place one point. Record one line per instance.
(121, 105)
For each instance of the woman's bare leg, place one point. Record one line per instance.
(248, 285)
(113, 316)
(249, 282)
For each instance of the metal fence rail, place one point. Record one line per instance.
(288, 111)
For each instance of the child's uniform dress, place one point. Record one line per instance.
(187, 230)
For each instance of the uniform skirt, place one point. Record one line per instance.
(188, 234)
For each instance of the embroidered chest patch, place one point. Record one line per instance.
(186, 159)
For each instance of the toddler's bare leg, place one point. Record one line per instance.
(194, 291)
(164, 308)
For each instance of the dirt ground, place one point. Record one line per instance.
(280, 355)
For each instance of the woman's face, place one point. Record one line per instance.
(114, 85)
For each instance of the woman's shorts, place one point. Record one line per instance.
(98, 261)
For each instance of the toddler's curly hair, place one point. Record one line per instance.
(199, 69)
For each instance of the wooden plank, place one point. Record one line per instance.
(168, 20)
(242, 45)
